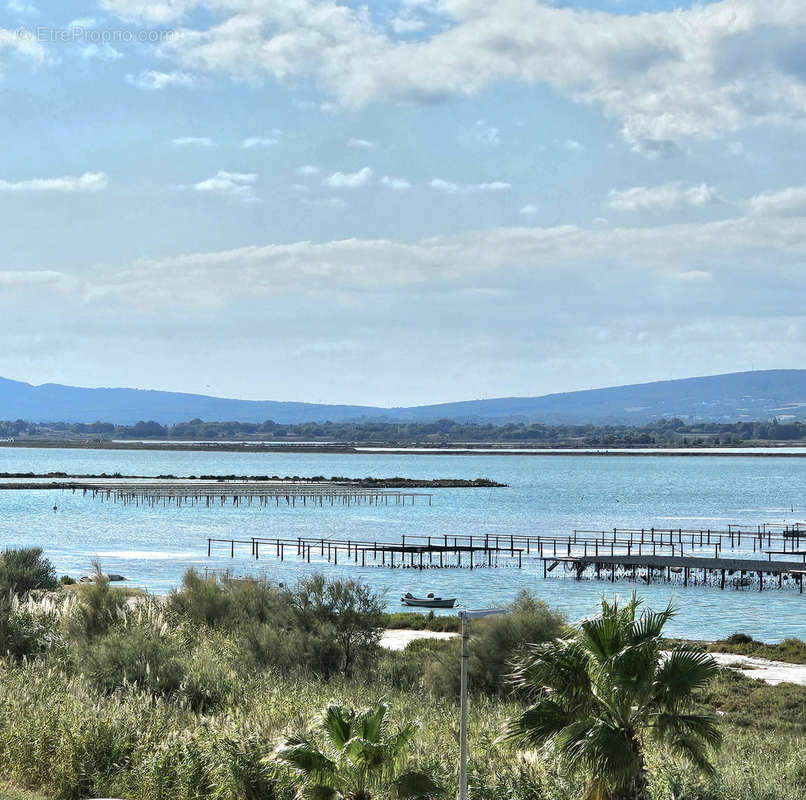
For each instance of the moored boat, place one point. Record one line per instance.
(430, 601)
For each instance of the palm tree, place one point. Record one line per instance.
(359, 758)
(599, 695)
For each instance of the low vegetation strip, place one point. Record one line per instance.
(363, 483)
(216, 691)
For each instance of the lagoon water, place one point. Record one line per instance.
(153, 546)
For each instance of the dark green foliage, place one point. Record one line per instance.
(136, 655)
(24, 634)
(323, 626)
(494, 642)
(98, 607)
(600, 695)
(25, 569)
(353, 755)
(411, 620)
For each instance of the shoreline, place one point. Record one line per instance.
(760, 669)
(741, 451)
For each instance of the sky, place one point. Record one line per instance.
(405, 202)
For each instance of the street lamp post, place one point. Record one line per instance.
(465, 616)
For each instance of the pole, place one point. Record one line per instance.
(463, 712)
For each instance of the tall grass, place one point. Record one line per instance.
(72, 730)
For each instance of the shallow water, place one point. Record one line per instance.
(153, 546)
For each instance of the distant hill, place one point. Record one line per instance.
(736, 396)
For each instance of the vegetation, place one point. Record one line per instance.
(600, 695)
(200, 696)
(660, 433)
(359, 758)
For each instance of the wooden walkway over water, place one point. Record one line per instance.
(650, 554)
(405, 554)
(240, 494)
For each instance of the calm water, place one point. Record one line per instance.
(153, 547)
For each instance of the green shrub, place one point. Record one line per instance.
(97, 607)
(25, 569)
(204, 601)
(23, 633)
(494, 643)
(137, 655)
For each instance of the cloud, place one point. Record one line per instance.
(361, 143)
(789, 202)
(154, 81)
(398, 184)
(192, 141)
(88, 182)
(350, 180)
(307, 169)
(481, 133)
(666, 77)
(572, 144)
(104, 52)
(666, 197)
(528, 210)
(254, 142)
(22, 8)
(231, 185)
(467, 188)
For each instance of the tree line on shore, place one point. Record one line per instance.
(248, 689)
(660, 433)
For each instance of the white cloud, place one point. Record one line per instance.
(22, 8)
(232, 185)
(790, 202)
(667, 77)
(398, 184)
(153, 80)
(259, 141)
(404, 24)
(307, 169)
(466, 188)
(103, 52)
(22, 42)
(528, 210)
(572, 144)
(350, 180)
(666, 197)
(192, 141)
(361, 143)
(88, 182)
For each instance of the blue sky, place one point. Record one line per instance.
(410, 201)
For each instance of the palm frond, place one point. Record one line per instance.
(303, 755)
(685, 669)
(540, 722)
(368, 723)
(414, 785)
(320, 791)
(363, 753)
(337, 723)
(559, 667)
(609, 753)
(651, 623)
(703, 726)
(694, 749)
(603, 636)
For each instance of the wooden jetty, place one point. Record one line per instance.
(241, 493)
(684, 566)
(385, 554)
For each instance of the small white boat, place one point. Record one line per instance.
(429, 601)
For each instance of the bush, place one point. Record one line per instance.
(24, 634)
(739, 638)
(97, 607)
(495, 641)
(138, 655)
(25, 569)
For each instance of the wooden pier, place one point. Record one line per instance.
(683, 567)
(243, 494)
(403, 554)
